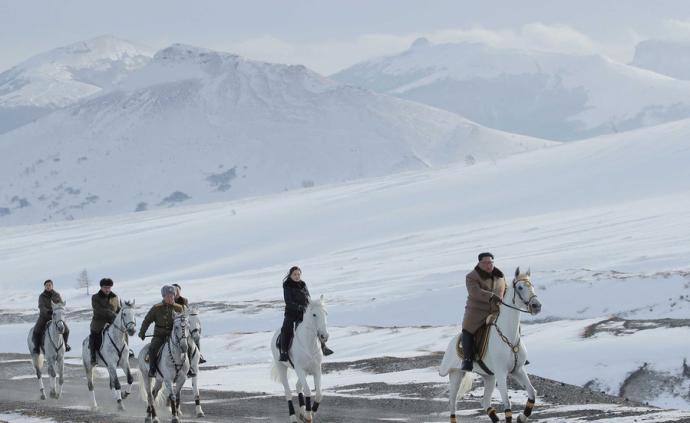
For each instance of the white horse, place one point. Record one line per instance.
(505, 354)
(113, 353)
(173, 366)
(195, 355)
(53, 352)
(305, 358)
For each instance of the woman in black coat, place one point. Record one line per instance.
(297, 299)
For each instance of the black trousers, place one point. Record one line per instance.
(95, 340)
(287, 332)
(156, 343)
(39, 330)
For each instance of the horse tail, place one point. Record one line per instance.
(465, 385)
(143, 386)
(275, 375)
(450, 358)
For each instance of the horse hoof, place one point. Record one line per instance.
(200, 414)
(175, 420)
(120, 407)
(125, 394)
(147, 420)
(43, 396)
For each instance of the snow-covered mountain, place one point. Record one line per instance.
(549, 95)
(63, 76)
(603, 223)
(194, 126)
(666, 57)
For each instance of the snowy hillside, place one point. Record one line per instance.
(665, 57)
(603, 223)
(195, 126)
(549, 95)
(63, 76)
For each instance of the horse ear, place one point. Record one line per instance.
(321, 299)
(529, 272)
(517, 271)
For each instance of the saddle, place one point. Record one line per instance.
(480, 345)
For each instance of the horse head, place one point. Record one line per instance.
(180, 330)
(523, 292)
(316, 313)
(128, 317)
(195, 324)
(59, 313)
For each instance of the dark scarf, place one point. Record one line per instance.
(485, 275)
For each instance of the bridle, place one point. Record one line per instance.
(527, 302)
(126, 326)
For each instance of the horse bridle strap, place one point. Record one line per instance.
(62, 344)
(516, 293)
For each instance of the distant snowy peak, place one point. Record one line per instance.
(665, 57)
(60, 77)
(548, 95)
(180, 62)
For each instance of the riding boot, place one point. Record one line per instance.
(202, 360)
(92, 348)
(152, 367)
(467, 350)
(325, 349)
(65, 337)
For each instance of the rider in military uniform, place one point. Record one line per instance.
(105, 305)
(162, 315)
(45, 307)
(184, 302)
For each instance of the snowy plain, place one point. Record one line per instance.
(603, 224)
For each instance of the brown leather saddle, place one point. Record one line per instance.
(481, 343)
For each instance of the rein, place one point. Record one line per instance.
(50, 337)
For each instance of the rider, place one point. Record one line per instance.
(485, 287)
(105, 305)
(179, 299)
(45, 307)
(162, 314)
(297, 298)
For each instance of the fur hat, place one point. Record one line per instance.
(106, 282)
(167, 290)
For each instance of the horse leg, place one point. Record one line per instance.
(89, 381)
(197, 397)
(454, 379)
(38, 363)
(282, 371)
(178, 386)
(521, 376)
(503, 389)
(53, 378)
(317, 388)
(61, 375)
(171, 400)
(302, 380)
(489, 385)
(130, 379)
(115, 386)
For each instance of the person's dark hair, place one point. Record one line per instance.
(47, 282)
(292, 269)
(106, 282)
(482, 255)
(177, 286)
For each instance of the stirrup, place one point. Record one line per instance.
(202, 360)
(327, 351)
(190, 373)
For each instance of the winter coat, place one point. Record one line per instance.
(296, 297)
(480, 287)
(105, 309)
(45, 304)
(162, 315)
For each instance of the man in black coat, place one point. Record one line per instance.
(45, 314)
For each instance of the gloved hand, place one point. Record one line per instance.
(495, 299)
(142, 335)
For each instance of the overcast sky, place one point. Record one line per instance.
(329, 35)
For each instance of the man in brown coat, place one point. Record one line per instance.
(105, 305)
(485, 287)
(162, 315)
(45, 314)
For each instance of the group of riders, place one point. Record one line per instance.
(485, 286)
(106, 304)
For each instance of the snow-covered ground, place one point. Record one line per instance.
(603, 224)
